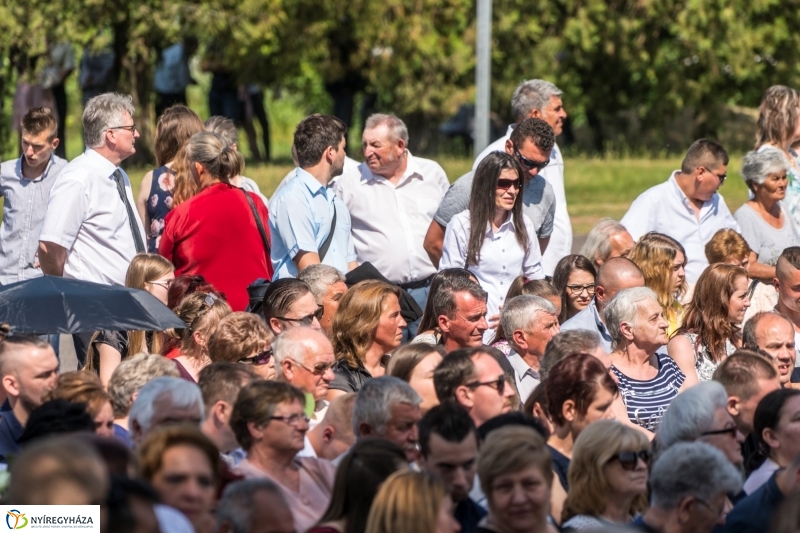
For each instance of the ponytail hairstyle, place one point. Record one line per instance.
(217, 155)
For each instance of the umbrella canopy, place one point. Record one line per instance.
(51, 304)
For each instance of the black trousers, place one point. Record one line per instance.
(60, 96)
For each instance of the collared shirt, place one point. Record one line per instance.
(24, 208)
(86, 216)
(172, 72)
(526, 377)
(561, 238)
(501, 260)
(390, 221)
(589, 319)
(300, 217)
(666, 209)
(350, 165)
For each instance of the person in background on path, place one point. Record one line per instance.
(96, 74)
(172, 74)
(25, 185)
(60, 64)
(254, 107)
(226, 128)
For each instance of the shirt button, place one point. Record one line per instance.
(504, 268)
(501, 283)
(503, 250)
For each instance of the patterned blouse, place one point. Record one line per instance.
(159, 203)
(703, 361)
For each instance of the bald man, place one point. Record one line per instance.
(304, 358)
(614, 275)
(787, 283)
(29, 370)
(334, 435)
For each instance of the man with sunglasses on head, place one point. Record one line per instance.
(687, 207)
(304, 358)
(530, 144)
(289, 303)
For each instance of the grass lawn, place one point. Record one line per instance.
(595, 187)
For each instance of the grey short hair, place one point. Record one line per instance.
(530, 95)
(319, 278)
(518, 312)
(758, 165)
(397, 128)
(184, 394)
(691, 469)
(290, 344)
(374, 402)
(624, 308)
(132, 374)
(598, 242)
(691, 413)
(236, 505)
(443, 301)
(567, 343)
(102, 112)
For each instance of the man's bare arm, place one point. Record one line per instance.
(434, 240)
(52, 258)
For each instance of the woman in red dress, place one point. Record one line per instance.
(215, 234)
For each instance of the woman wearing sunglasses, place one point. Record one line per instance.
(493, 238)
(607, 477)
(579, 391)
(245, 339)
(574, 277)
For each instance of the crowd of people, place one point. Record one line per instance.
(376, 350)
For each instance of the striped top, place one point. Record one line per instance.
(647, 401)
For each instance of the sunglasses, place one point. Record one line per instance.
(530, 164)
(499, 384)
(504, 184)
(319, 368)
(306, 320)
(725, 431)
(261, 358)
(629, 460)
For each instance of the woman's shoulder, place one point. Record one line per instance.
(583, 522)
(321, 471)
(460, 219)
(116, 339)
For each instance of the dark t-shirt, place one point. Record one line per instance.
(469, 514)
(349, 379)
(754, 513)
(560, 466)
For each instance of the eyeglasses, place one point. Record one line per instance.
(166, 284)
(718, 512)
(530, 164)
(504, 184)
(576, 290)
(721, 178)
(306, 320)
(261, 358)
(292, 420)
(629, 460)
(319, 368)
(725, 431)
(499, 384)
(131, 128)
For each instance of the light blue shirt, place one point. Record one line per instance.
(300, 216)
(589, 319)
(172, 72)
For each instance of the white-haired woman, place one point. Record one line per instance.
(701, 414)
(762, 219)
(648, 380)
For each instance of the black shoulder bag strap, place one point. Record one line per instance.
(264, 239)
(327, 244)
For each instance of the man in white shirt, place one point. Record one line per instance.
(392, 197)
(687, 206)
(529, 322)
(541, 99)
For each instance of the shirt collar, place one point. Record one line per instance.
(102, 164)
(311, 183)
(685, 199)
(44, 174)
(412, 171)
(596, 315)
(508, 225)
(521, 368)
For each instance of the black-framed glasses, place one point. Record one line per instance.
(292, 420)
(717, 512)
(499, 384)
(261, 358)
(724, 431)
(131, 128)
(530, 164)
(629, 460)
(318, 369)
(504, 184)
(721, 178)
(306, 320)
(575, 290)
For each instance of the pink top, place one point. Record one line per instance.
(316, 485)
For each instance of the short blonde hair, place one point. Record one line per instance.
(512, 449)
(594, 448)
(239, 335)
(407, 501)
(726, 243)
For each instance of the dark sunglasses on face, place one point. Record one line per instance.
(306, 320)
(725, 431)
(530, 164)
(318, 369)
(504, 184)
(499, 384)
(629, 460)
(261, 358)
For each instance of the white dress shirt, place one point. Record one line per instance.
(666, 209)
(390, 221)
(527, 378)
(86, 216)
(502, 258)
(560, 244)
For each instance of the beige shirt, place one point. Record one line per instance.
(390, 221)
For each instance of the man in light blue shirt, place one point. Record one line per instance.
(302, 212)
(172, 74)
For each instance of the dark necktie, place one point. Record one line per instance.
(137, 237)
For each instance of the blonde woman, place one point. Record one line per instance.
(149, 272)
(607, 477)
(662, 260)
(202, 312)
(412, 502)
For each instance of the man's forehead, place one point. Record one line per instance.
(776, 327)
(466, 301)
(377, 133)
(468, 446)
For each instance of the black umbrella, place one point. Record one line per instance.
(50, 304)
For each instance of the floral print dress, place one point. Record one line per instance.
(159, 203)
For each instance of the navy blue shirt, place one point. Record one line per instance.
(10, 432)
(754, 513)
(469, 514)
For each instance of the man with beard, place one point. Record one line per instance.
(28, 369)
(308, 222)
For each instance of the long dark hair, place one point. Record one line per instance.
(768, 415)
(482, 203)
(564, 268)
